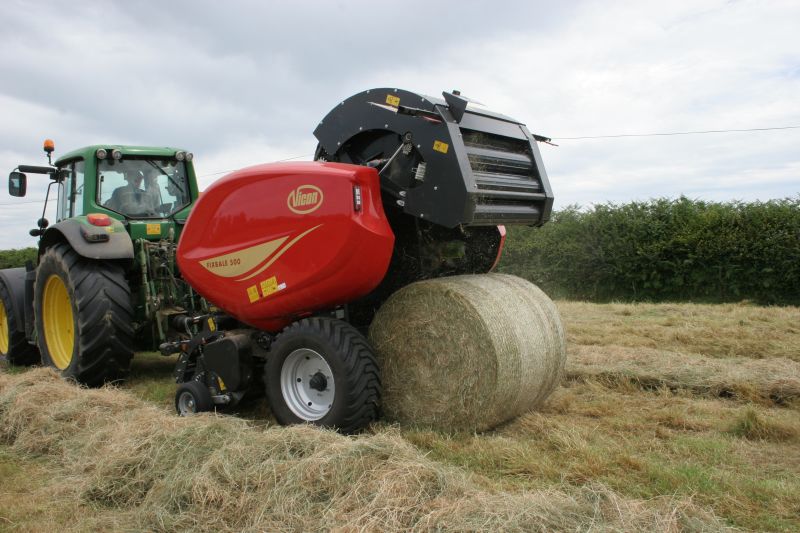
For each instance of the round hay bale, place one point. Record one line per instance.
(466, 353)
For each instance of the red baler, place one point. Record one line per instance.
(296, 257)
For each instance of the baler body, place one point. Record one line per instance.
(272, 243)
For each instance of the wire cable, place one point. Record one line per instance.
(669, 134)
(615, 136)
(199, 176)
(31, 202)
(276, 161)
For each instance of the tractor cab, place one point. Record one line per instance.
(149, 190)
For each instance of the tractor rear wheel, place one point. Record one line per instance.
(323, 371)
(83, 316)
(14, 347)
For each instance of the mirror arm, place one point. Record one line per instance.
(44, 209)
(34, 169)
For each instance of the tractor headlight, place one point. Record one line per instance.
(180, 155)
(189, 156)
(102, 153)
(116, 154)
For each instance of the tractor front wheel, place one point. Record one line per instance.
(323, 371)
(83, 316)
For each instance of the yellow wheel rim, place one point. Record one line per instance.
(4, 333)
(59, 331)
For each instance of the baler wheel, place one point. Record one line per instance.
(83, 316)
(14, 348)
(323, 371)
(193, 397)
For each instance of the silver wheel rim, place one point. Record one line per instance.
(307, 384)
(186, 404)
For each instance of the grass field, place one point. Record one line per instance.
(671, 417)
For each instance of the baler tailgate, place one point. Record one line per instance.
(507, 182)
(470, 166)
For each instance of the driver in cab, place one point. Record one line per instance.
(131, 199)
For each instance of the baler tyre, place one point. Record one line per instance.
(83, 316)
(14, 347)
(193, 397)
(323, 371)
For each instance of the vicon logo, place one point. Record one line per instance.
(305, 199)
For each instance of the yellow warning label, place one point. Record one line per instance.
(439, 146)
(252, 293)
(268, 286)
(392, 100)
(154, 229)
(211, 325)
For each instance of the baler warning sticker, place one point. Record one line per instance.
(268, 286)
(252, 293)
(392, 100)
(440, 146)
(154, 229)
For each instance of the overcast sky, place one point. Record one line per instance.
(240, 83)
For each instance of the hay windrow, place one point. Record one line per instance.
(723, 331)
(158, 472)
(775, 380)
(467, 352)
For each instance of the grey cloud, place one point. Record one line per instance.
(246, 82)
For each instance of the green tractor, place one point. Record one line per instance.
(105, 283)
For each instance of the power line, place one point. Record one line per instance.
(615, 136)
(32, 202)
(293, 158)
(276, 161)
(672, 133)
(200, 176)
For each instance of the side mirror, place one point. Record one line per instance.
(17, 184)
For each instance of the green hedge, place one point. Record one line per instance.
(665, 250)
(661, 250)
(16, 258)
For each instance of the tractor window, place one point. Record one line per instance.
(77, 189)
(70, 192)
(142, 188)
(63, 191)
